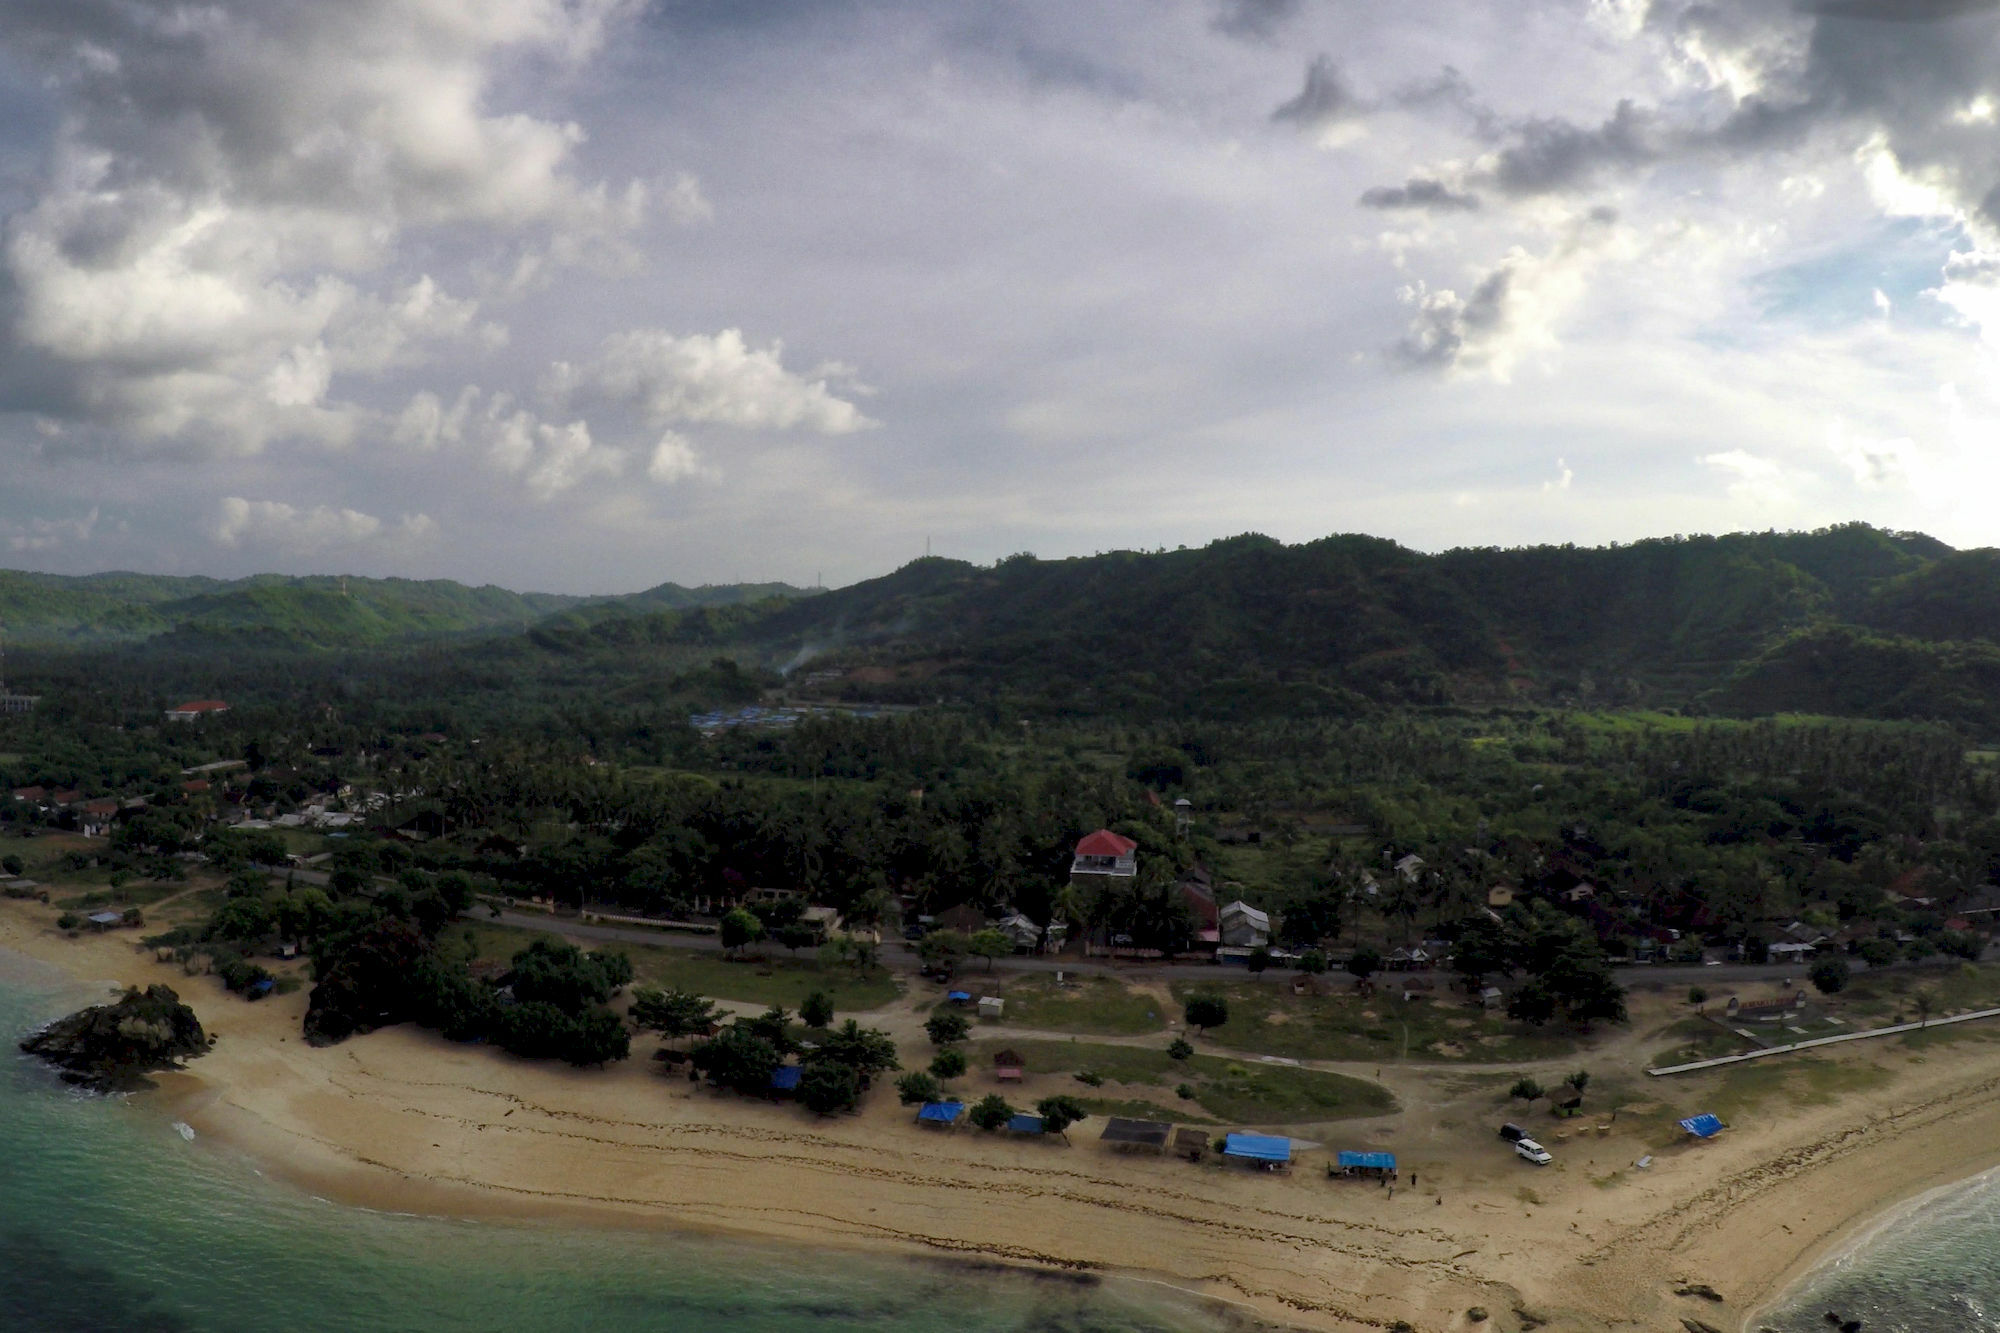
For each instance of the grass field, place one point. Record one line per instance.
(41, 857)
(1232, 1091)
(1890, 997)
(134, 893)
(784, 981)
(1265, 1018)
(1092, 1006)
(1694, 1039)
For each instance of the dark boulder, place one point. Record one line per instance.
(112, 1047)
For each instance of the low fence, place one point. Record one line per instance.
(1834, 1040)
(652, 923)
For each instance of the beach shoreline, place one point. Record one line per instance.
(402, 1121)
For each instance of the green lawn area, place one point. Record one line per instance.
(41, 857)
(777, 980)
(1889, 997)
(1232, 1091)
(1694, 1039)
(133, 893)
(1093, 1006)
(1265, 1018)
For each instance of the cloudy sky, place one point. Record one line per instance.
(584, 295)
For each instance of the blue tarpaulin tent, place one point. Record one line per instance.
(785, 1078)
(1257, 1147)
(1369, 1161)
(959, 996)
(1702, 1126)
(942, 1113)
(1023, 1123)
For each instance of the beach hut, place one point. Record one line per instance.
(1123, 1133)
(1026, 1122)
(1190, 1143)
(991, 1007)
(785, 1080)
(1266, 1150)
(1364, 1165)
(1703, 1126)
(1008, 1066)
(942, 1114)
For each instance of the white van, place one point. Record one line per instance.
(1533, 1151)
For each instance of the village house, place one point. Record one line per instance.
(1242, 926)
(94, 817)
(197, 709)
(1104, 858)
(821, 921)
(1499, 896)
(1023, 934)
(1409, 868)
(1197, 891)
(964, 918)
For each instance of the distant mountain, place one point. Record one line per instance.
(316, 611)
(1850, 619)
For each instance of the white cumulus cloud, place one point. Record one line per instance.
(233, 180)
(274, 523)
(712, 379)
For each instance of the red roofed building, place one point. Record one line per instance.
(30, 793)
(197, 709)
(1104, 855)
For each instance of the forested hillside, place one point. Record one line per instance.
(1849, 620)
(319, 611)
(1852, 621)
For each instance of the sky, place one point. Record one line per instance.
(588, 295)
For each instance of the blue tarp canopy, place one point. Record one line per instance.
(958, 996)
(1375, 1161)
(785, 1078)
(1023, 1123)
(1702, 1126)
(1257, 1147)
(945, 1113)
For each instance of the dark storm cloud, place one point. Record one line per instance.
(1551, 155)
(1324, 100)
(1420, 192)
(1448, 327)
(1898, 11)
(1259, 20)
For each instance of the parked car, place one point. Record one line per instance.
(1533, 1152)
(1513, 1133)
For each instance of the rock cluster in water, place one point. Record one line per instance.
(112, 1047)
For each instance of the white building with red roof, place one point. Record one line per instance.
(196, 709)
(1102, 857)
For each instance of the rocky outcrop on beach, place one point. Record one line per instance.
(112, 1047)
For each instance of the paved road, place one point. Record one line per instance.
(1660, 977)
(895, 953)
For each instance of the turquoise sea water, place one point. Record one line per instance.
(110, 1221)
(1930, 1267)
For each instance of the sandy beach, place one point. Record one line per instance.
(403, 1120)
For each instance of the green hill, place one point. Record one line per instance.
(1251, 625)
(1850, 620)
(317, 611)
